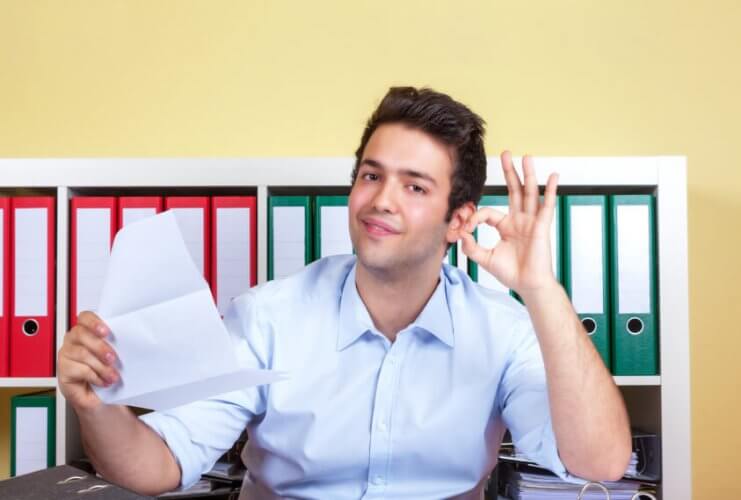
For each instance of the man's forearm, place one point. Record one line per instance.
(126, 451)
(589, 417)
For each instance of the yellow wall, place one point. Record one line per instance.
(277, 78)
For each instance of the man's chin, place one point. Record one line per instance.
(378, 263)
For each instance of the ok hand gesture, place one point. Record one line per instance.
(521, 260)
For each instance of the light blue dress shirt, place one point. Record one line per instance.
(361, 417)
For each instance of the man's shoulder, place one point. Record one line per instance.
(471, 297)
(320, 280)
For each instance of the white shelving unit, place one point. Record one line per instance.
(657, 403)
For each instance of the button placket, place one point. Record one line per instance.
(380, 446)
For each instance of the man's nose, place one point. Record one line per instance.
(385, 199)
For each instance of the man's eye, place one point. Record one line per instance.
(417, 189)
(370, 177)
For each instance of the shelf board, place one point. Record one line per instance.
(638, 380)
(43, 382)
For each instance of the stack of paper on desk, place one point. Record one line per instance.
(171, 343)
(535, 486)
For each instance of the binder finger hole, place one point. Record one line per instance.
(30, 327)
(635, 326)
(589, 325)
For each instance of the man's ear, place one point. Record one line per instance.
(458, 221)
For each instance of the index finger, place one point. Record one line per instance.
(90, 320)
(490, 215)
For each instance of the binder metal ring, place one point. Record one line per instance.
(70, 479)
(589, 485)
(641, 494)
(93, 488)
(635, 325)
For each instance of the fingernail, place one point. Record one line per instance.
(109, 357)
(102, 329)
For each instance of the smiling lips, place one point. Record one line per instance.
(378, 228)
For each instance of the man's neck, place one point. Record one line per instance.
(395, 299)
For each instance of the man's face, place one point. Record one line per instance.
(399, 199)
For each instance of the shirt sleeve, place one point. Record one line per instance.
(523, 401)
(199, 433)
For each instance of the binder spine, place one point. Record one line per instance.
(596, 323)
(32, 335)
(220, 202)
(137, 202)
(290, 201)
(319, 202)
(202, 203)
(5, 284)
(635, 334)
(77, 204)
(45, 400)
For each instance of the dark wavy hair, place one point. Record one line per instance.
(448, 121)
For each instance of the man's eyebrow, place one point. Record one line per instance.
(418, 175)
(370, 162)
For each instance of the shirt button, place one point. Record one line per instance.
(382, 426)
(392, 361)
(377, 480)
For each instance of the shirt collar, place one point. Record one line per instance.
(355, 320)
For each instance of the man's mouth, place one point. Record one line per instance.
(378, 228)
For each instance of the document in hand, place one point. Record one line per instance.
(171, 343)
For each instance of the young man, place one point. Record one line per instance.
(404, 374)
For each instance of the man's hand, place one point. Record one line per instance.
(521, 260)
(85, 359)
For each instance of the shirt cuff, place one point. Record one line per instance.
(179, 442)
(549, 458)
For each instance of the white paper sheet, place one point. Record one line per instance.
(190, 222)
(171, 343)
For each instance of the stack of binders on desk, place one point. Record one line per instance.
(520, 479)
(63, 483)
(534, 485)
